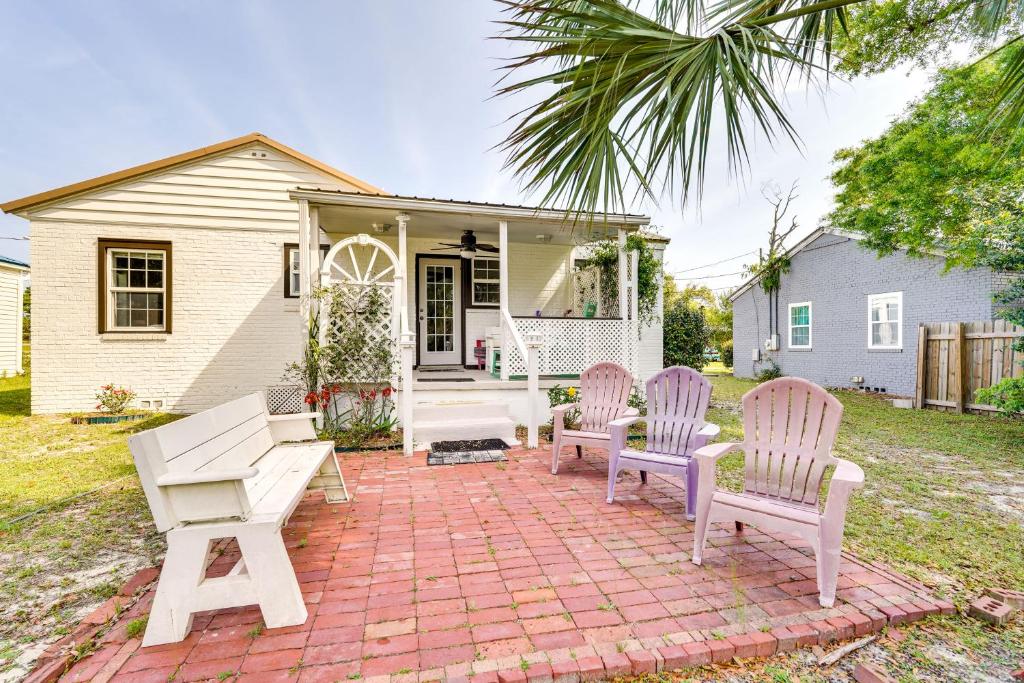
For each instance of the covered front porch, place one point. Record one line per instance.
(486, 297)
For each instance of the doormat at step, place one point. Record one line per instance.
(466, 452)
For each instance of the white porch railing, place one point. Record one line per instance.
(570, 345)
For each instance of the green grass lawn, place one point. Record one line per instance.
(942, 504)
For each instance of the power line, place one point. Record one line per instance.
(711, 277)
(708, 265)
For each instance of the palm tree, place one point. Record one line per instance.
(627, 99)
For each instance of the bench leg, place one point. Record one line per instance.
(170, 618)
(273, 579)
(330, 480)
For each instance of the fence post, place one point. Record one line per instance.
(922, 377)
(533, 343)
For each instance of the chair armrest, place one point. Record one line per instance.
(848, 475)
(709, 430)
(284, 417)
(293, 427)
(630, 412)
(205, 477)
(557, 410)
(619, 429)
(711, 454)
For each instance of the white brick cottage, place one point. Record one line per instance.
(187, 280)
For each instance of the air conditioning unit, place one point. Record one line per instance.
(772, 343)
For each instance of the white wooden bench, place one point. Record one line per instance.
(233, 471)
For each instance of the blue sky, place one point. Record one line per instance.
(395, 92)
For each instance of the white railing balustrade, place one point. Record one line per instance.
(570, 345)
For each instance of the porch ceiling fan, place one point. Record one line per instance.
(467, 245)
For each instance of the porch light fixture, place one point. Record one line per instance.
(381, 227)
(467, 253)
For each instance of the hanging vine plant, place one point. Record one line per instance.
(605, 257)
(770, 272)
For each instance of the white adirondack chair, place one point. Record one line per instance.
(604, 394)
(789, 427)
(677, 399)
(233, 471)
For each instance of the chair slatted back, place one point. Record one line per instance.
(604, 395)
(677, 399)
(789, 427)
(230, 436)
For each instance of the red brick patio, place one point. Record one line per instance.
(503, 572)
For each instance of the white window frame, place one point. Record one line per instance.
(291, 249)
(899, 320)
(474, 279)
(112, 290)
(810, 326)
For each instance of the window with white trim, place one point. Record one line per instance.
(800, 325)
(136, 288)
(885, 320)
(291, 268)
(486, 282)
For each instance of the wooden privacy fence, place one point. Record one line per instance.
(954, 360)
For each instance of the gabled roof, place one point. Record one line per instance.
(176, 160)
(794, 250)
(13, 262)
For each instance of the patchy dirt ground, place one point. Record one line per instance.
(59, 565)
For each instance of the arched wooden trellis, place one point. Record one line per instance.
(357, 265)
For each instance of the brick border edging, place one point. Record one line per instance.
(57, 659)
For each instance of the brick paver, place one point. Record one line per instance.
(501, 572)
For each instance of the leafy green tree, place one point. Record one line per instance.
(935, 183)
(686, 335)
(629, 94)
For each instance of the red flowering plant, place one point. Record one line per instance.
(347, 369)
(113, 399)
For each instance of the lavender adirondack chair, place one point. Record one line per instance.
(677, 399)
(789, 427)
(604, 393)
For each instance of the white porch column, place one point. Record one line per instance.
(406, 338)
(407, 349)
(314, 253)
(304, 263)
(503, 283)
(624, 307)
(403, 261)
(634, 313)
(533, 399)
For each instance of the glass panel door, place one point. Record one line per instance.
(440, 311)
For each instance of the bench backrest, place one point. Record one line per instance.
(230, 436)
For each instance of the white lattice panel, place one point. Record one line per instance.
(572, 345)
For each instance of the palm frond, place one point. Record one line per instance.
(1008, 112)
(633, 101)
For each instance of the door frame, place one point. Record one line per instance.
(460, 340)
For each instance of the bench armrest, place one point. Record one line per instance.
(293, 427)
(205, 477)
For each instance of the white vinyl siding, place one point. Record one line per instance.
(885, 321)
(231, 190)
(800, 324)
(11, 290)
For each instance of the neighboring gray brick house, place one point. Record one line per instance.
(824, 304)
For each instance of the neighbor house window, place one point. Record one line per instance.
(885, 321)
(135, 286)
(486, 288)
(800, 325)
(291, 269)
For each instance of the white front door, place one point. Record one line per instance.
(440, 311)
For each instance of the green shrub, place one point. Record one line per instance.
(1007, 395)
(686, 334)
(559, 396)
(725, 350)
(772, 371)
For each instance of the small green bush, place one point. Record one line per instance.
(772, 371)
(725, 350)
(686, 335)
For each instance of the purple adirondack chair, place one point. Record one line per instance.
(677, 399)
(789, 427)
(604, 392)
